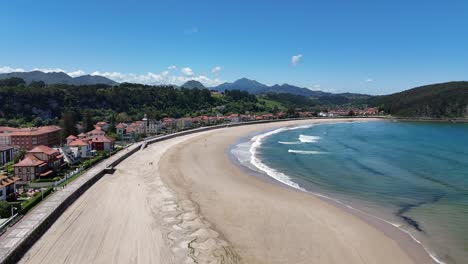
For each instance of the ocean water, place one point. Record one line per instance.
(412, 175)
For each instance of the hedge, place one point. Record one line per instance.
(29, 204)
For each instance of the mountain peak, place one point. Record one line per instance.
(192, 84)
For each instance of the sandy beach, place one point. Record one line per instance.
(184, 201)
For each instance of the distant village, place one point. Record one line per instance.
(37, 157)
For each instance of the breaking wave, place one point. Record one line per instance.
(307, 152)
(308, 139)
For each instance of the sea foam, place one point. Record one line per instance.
(290, 142)
(306, 152)
(279, 176)
(308, 139)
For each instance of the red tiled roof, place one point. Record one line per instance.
(96, 131)
(35, 131)
(101, 139)
(29, 161)
(120, 125)
(5, 181)
(77, 143)
(44, 149)
(5, 147)
(71, 137)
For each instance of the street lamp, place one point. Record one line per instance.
(12, 209)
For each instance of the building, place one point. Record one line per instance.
(102, 125)
(28, 138)
(81, 148)
(5, 135)
(184, 123)
(95, 133)
(132, 131)
(85, 143)
(234, 118)
(169, 124)
(6, 154)
(151, 126)
(40, 161)
(102, 143)
(7, 187)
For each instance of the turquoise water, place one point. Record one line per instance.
(414, 175)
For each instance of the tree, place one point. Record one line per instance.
(37, 84)
(122, 117)
(68, 124)
(19, 156)
(5, 209)
(13, 81)
(88, 123)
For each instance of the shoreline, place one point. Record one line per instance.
(414, 252)
(392, 230)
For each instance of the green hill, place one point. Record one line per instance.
(437, 100)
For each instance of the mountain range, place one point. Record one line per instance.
(242, 84)
(255, 87)
(58, 78)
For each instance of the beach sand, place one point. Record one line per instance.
(194, 205)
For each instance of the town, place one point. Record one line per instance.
(35, 160)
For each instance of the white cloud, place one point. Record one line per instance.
(152, 78)
(316, 86)
(76, 73)
(368, 80)
(296, 59)
(216, 69)
(187, 71)
(172, 67)
(7, 69)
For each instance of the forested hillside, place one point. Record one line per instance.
(437, 100)
(37, 104)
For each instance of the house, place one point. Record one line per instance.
(151, 126)
(234, 118)
(268, 117)
(104, 126)
(83, 145)
(70, 139)
(281, 115)
(70, 155)
(6, 154)
(7, 187)
(184, 123)
(169, 123)
(81, 148)
(95, 132)
(41, 161)
(102, 143)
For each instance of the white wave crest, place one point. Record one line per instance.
(307, 152)
(279, 176)
(308, 139)
(290, 142)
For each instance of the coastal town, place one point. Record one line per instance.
(38, 159)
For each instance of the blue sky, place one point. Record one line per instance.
(362, 46)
